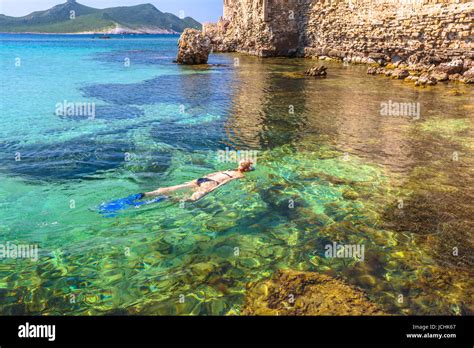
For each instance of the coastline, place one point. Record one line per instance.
(138, 19)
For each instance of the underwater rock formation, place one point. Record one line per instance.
(194, 47)
(306, 293)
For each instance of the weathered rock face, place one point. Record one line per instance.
(431, 31)
(260, 28)
(468, 76)
(421, 33)
(454, 67)
(194, 47)
(306, 293)
(427, 32)
(219, 41)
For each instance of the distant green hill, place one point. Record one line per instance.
(134, 19)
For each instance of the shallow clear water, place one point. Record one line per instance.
(334, 170)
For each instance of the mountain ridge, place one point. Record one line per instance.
(72, 17)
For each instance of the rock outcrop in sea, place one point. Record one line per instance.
(194, 47)
(419, 36)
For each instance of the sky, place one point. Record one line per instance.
(201, 10)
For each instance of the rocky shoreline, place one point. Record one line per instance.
(425, 43)
(456, 70)
(420, 74)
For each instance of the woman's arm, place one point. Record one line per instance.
(202, 192)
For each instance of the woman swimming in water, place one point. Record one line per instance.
(199, 188)
(206, 184)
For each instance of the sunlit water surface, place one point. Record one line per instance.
(330, 169)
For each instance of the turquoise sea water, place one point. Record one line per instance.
(342, 166)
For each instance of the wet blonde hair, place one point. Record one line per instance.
(245, 165)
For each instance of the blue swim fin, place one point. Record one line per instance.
(111, 208)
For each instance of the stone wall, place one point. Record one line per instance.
(427, 31)
(389, 30)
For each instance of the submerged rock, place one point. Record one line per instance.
(306, 293)
(194, 47)
(350, 194)
(468, 76)
(317, 71)
(373, 70)
(202, 270)
(426, 80)
(378, 70)
(412, 78)
(456, 77)
(400, 74)
(440, 76)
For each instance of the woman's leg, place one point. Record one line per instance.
(166, 190)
